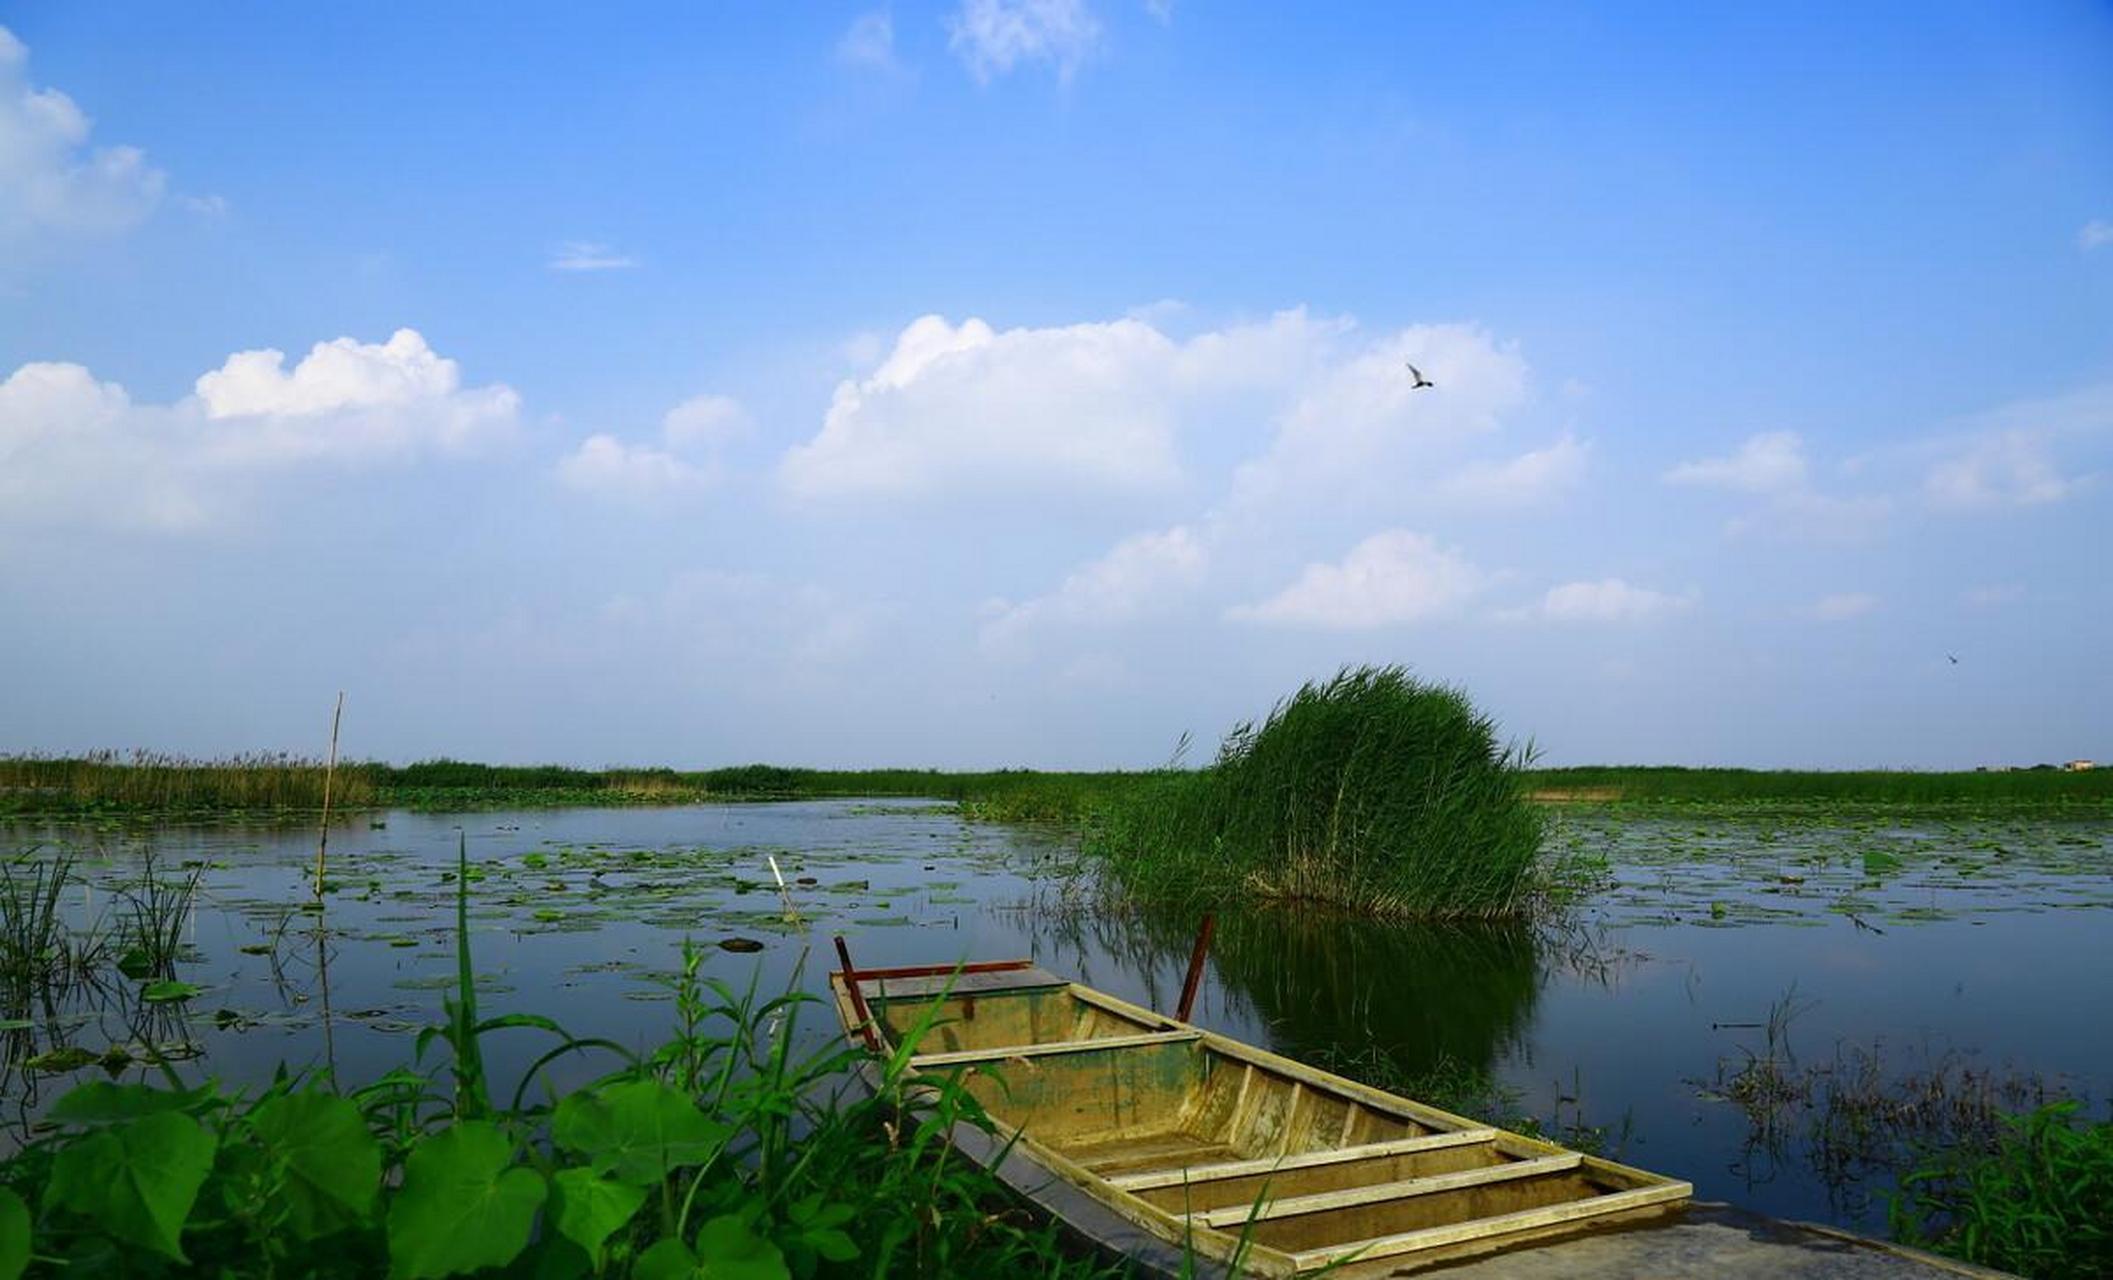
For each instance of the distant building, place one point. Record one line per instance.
(2079, 766)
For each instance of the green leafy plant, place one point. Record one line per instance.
(724, 1153)
(2040, 1202)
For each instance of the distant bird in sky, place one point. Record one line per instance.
(1954, 657)
(1421, 381)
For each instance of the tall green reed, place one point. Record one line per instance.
(1371, 791)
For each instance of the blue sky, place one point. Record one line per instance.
(1022, 381)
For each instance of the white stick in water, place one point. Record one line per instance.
(784, 893)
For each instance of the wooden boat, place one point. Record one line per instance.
(1167, 1143)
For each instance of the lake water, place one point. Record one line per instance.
(1979, 947)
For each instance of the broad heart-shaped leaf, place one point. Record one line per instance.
(589, 1208)
(333, 1164)
(137, 1181)
(639, 1131)
(463, 1205)
(729, 1249)
(14, 1235)
(102, 1102)
(667, 1260)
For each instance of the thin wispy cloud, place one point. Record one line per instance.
(2007, 469)
(53, 182)
(2096, 234)
(992, 37)
(1773, 468)
(1532, 477)
(1773, 462)
(870, 42)
(1843, 606)
(588, 255)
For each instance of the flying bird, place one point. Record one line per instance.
(1954, 657)
(1421, 381)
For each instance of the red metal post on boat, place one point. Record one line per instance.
(1195, 976)
(858, 998)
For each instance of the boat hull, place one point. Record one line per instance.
(1174, 1146)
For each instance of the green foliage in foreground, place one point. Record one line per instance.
(1372, 791)
(722, 1154)
(2040, 1204)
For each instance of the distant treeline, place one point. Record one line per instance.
(1874, 786)
(148, 782)
(143, 782)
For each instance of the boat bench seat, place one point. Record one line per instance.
(1007, 1053)
(1193, 1175)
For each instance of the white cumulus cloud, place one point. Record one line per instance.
(607, 466)
(1102, 407)
(1609, 600)
(80, 451)
(51, 180)
(1392, 578)
(351, 401)
(1085, 406)
(1141, 574)
(991, 37)
(1531, 477)
(1357, 417)
(705, 422)
(685, 460)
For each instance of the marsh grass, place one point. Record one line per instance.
(42, 957)
(143, 781)
(1371, 792)
(1860, 1122)
(157, 913)
(2037, 1200)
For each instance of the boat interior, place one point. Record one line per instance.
(1202, 1138)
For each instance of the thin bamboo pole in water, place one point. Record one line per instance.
(322, 843)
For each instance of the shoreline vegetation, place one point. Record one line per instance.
(152, 784)
(724, 1151)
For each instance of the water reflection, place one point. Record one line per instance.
(1312, 984)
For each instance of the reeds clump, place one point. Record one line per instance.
(1372, 791)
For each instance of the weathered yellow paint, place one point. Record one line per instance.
(1180, 1130)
